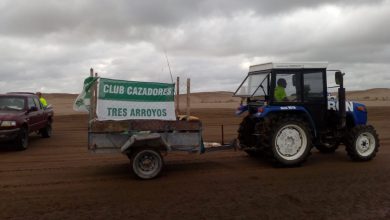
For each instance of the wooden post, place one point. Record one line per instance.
(177, 96)
(90, 115)
(94, 97)
(222, 135)
(91, 101)
(188, 99)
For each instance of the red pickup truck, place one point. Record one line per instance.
(22, 114)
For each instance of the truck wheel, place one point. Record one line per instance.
(147, 163)
(291, 142)
(21, 141)
(328, 148)
(362, 143)
(46, 132)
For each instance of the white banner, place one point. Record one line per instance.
(121, 110)
(122, 100)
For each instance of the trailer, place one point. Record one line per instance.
(139, 120)
(145, 141)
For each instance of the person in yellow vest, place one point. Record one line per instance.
(280, 92)
(42, 100)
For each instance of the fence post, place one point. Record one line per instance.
(188, 98)
(222, 132)
(177, 96)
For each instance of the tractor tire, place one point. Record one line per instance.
(328, 148)
(290, 141)
(146, 163)
(362, 143)
(245, 133)
(46, 132)
(21, 142)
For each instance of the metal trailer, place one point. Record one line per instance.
(145, 141)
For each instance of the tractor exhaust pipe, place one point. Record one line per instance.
(342, 111)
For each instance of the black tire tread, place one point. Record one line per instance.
(270, 138)
(133, 155)
(45, 133)
(245, 133)
(18, 141)
(351, 137)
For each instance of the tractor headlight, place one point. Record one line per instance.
(8, 123)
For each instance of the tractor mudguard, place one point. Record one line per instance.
(356, 112)
(359, 113)
(241, 109)
(287, 109)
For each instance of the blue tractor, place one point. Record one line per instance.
(290, 111)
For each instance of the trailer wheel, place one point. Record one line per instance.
(362, 143)
(291, 142)
(147, 163)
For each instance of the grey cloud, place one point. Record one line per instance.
(52, 44)
(41, 17)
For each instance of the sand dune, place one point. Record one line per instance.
(221, 99)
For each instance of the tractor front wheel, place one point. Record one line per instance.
(362, 143)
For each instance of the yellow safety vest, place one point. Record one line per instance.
(43, 101)
(280, 93)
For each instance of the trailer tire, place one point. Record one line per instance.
(146, 163)
(362, 143)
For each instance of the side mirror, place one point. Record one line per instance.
(339, 78)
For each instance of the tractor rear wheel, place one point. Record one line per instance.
(245, 135)
(291, 141)
(362, 143)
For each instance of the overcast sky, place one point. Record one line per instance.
(50, 45)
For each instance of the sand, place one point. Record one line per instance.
(58, 178)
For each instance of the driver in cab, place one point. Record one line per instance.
(280, 92)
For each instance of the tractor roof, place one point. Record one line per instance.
(288, 65)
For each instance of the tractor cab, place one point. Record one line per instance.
(295, 95)
(286, 85)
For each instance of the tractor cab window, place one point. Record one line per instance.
(313, 88)
(254, 85)
(285, 87)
